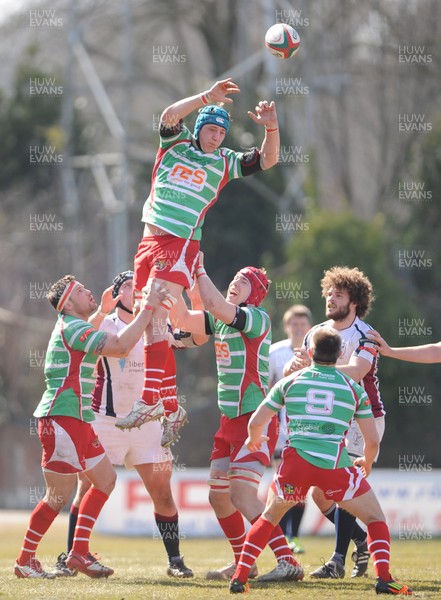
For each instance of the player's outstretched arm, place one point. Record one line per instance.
(357, 368)
(119, 344)
(213, 300)
(261, 416)
(218, 93)
(194, 296)
(427, 353)
(192, 321)
(266, 116)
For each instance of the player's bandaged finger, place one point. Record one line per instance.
(247, 476)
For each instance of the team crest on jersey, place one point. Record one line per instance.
(288, 489)
(85, 335)
(160, 264)
(186, 176)
(344, 346)
(96, 443)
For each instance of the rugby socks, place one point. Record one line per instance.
(278, 544)
(168, 389)
(359, 536)
(290, 522)
(89, 509)
(73, 518)
(233, 527)
(41, 519)
(379, 548)
(344, 524)
(155, 357)
(255, 541)
(169, 530)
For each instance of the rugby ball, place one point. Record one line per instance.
(282, 40)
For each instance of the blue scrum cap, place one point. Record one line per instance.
(214, 115)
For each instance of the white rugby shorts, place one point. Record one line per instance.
(354, 440)
(129, 448)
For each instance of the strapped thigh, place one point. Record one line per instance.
(249, 473)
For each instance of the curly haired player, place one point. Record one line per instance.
(348, 295)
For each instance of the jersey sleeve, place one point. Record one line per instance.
(275, 400)
(366, 349)
(175, 133)
(364, 410)
(272, 367)
(307, 339)
(257, 321)
(210, 323)
(81, 335)
(250, 162)
(233, 163)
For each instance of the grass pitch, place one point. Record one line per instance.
(140, 566)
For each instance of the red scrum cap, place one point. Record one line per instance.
(259, 284)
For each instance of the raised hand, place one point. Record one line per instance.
(266, 114)
(108, 303)
(218, 92)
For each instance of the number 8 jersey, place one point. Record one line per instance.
(320, 404)
(242, 358)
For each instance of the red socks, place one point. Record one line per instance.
(169, 393)
(279, 546)
(256, 540)
(379, 547)
(234, 530)
(41, 519)
(90, 507)
(155, 357)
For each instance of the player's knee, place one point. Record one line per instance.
(372, 515)
(320, 499)
(162, 497)
(56, 500)
(107, 485)
(111, 484)
(219, 489)
(244, 484)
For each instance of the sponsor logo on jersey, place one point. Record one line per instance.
(223, 357)
(332, 492)
(186, 176)
(328, 428)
